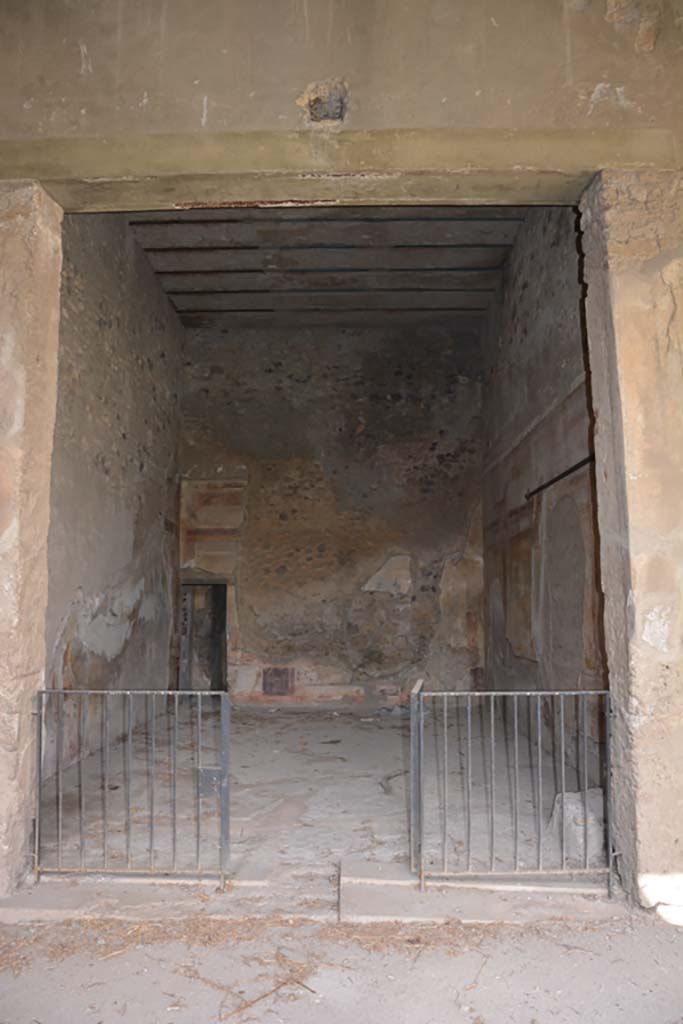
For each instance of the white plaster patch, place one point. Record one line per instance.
(86, 60)
(604, 92)
(12, 414)
(393, 578)
(9, 537)
(600, 93)
(247, 679)
(623, 101)
(657, 627)
(106, 633)
(665, 892)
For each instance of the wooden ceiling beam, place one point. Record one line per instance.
(330, 235)
(422, 258)
(366, 280)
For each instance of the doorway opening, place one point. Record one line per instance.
(203, 636)
(379, 421)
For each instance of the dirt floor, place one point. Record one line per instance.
(199, 971)
(301, 935)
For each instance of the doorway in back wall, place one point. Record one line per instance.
(203, 637)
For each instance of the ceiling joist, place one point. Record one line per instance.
(318, 265)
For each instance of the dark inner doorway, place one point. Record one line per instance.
(203, 636)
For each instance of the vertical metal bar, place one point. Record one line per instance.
(225, 785)
(414, 796)
(81, 775)
(539, 784)
(584, 724)
(174, 783)
(199, 780)
(39, 783)
(422, 791)
(492, 818)
(129, 773)
(105, 773)
(468, 760)
(608, 793)
(515, 728)
(563, 786)
(60, 782)
(445, 786)
(152, 760)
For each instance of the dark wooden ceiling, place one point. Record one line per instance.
(235, 267)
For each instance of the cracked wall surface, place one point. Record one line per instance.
(280, 102)
(359, 560)
(248, 66)
(30, 257)
(113, 530)
(633, 238)
(543, 602)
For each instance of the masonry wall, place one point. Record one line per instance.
(112, 553)
(632, 230)
(30, 257)
(600, 66)
(350, 463)
(543, 603)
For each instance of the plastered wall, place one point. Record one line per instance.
(221, 65)
(112, 550)
(543, 602)
(357, 548)
(632, 235)
(30, 257)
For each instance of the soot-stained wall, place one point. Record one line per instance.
(112, 555)
(543, 609)
(354, 457)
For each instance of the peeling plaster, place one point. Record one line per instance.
(12, 387)
(600, 94)
(393, 578)
(657, 627)
(105, 625)
(86, 60)
(664, 892)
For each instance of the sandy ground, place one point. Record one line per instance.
(275, 970)
(309, 794)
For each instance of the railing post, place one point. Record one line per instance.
(421, 777)
(39, 782)
(415, 824)
(607, 704)
(225, 787)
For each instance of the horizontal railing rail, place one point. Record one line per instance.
(510, 783)
(132, 782)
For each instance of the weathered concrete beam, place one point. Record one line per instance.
(147, 172)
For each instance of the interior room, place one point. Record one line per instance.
(308, 461)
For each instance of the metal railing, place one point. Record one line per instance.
(509, 784)
(133, 782)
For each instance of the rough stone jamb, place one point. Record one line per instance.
(632, 226)
(30, 258)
